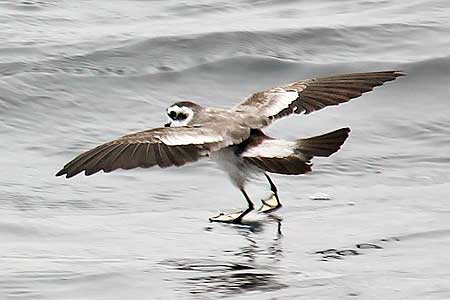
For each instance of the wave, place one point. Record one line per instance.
(42, 89)
(308, 45)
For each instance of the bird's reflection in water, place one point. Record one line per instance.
(252, 267)
(254, 250)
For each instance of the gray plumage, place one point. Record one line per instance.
(215, 132)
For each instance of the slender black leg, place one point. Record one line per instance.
(238, 220)
(273, 188)
(273, 202)
(235, 218)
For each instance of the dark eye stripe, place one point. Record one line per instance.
(172, 114)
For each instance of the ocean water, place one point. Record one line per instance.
(74, 74)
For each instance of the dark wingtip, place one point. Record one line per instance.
(66, 172)
(61, 172)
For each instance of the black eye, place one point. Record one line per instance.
(181, 116)
(172, 115)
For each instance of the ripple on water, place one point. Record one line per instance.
(224, 278)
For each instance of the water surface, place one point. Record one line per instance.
(75, 74)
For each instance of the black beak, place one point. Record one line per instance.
(167, 125)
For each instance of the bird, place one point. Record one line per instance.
(234, 138)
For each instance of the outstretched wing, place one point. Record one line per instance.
(314, 94)
(168, 146)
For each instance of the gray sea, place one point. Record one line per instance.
(370, 222)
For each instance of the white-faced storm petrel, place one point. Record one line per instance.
(234, 138)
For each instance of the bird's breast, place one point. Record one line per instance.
(231, 163)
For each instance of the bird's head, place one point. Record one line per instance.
(181, 113)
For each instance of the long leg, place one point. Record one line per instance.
(238, 220)
(235, 218)
(273, 202)
(273, 188)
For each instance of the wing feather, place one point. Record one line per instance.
(90, 157)
(312, 94)
(150, 157)
(168, 146)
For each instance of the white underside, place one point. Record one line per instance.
(237, 169)
(271, 148)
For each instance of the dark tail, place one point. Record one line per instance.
(323, 145)
(303, 150)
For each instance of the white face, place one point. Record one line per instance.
(179, 116)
